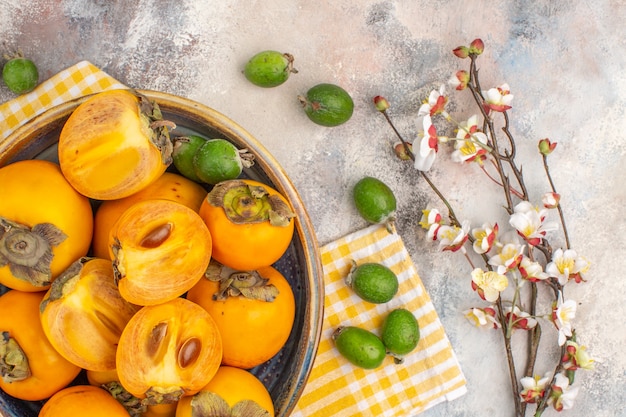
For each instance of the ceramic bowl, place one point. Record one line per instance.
(284, 375)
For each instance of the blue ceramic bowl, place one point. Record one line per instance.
(284, 375)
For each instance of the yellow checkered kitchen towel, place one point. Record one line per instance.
(76, 81)
(429, 375)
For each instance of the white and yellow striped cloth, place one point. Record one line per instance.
(429, 375)
(76, 81)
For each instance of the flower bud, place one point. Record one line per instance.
(546, 147)
(461, 51)
(476, 47)
(381, 103)
(403, 151)
(551, 200)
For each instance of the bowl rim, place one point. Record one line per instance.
(12, 145)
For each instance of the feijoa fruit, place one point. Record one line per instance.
(373, 282)
(184, 150)
(219, 160)
(359, 346)
(20, 74)
(400, 333)
(327, 105)
(269, 68)
(375, 201)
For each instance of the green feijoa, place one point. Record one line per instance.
(20, 74)
(375, 201)
(219, 160)
(400, 333)
(269, 68)
(359, 346)
(327, 104)
(184, 150)
(373, 282)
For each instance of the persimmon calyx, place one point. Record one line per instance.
(161, 395)
(13, 361)
(158, 129)
(206, 403)
(232, 283)
(132, 404)
(63, 282)
(28, 251)
(244, 203)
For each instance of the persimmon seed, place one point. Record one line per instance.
(156, 337)
(157, 236)
(189, 352)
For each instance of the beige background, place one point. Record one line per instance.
(564, 61)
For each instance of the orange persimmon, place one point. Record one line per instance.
(82, 400)
(254, 311)
(114, 144)
(83, 314)
(160, 249)
(251, 223)
(45, 224)
(42, 370)
(168, 350)
(229, 387)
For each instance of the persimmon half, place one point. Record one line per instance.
(45, 224)
(82, 400)
(251, 223)
(160, 249)
(114, 144)
(231, 391)
(169, 186)
(254, 311)
(83, 314)
(168, 350)
(36, 370)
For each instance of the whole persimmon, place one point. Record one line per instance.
(167, 351)
(45, 224)
(160, 249)
(114, 144)
(230, 389)
(82, 400)
(254, 311)
(169, 186)
(41, 370)
(251, 223)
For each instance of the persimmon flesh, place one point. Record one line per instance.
(168, 350)
(83, 314)
(114, 144)
(160, 249)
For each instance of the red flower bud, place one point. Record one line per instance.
(476, 47)
(461, 51)
(381, 103)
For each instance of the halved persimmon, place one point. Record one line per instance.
(83, 314)
(114, 144)
(160, 249)
(30, 366)
(169, 186)
(251, 223)
(168, 350)
(254, 311)
(45, 224)
(231, 391)
(82, 400)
